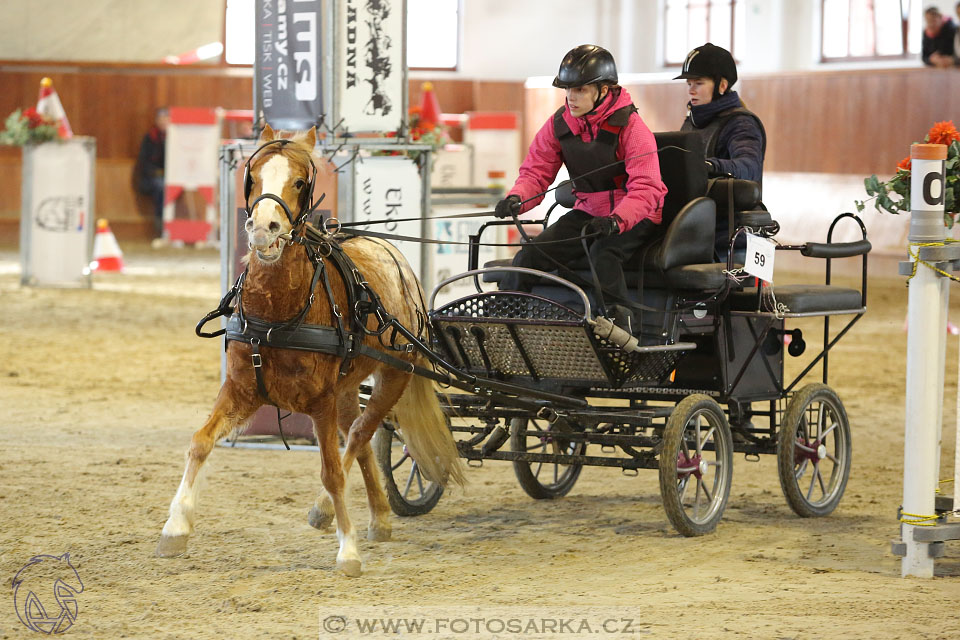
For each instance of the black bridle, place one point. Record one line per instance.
(305, 203)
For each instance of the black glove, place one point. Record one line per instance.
(508, 207)
(605, 226)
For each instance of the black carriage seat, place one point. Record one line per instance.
(800, 300)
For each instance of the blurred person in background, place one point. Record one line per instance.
(938, 39)
(148, 172)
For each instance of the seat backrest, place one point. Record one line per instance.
(683, 172)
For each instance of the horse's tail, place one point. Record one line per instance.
(425, 432)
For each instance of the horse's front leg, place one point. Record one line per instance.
(334, 481)
(321, 514)
(230, 410)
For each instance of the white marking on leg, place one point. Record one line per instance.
(183, 506)
(348, 545)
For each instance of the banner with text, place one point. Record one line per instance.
(287, 73)
(390, 187)
(369, 61)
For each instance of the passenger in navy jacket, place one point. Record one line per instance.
(734, 139)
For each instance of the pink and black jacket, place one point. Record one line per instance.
(632, 190)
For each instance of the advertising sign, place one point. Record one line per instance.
(390, 187)
(370, 64)
(287, 76)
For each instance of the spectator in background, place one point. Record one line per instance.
(148, 172)
(938, 36)
(956, 38)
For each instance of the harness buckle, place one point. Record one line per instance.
(548, 414)
(257, 360)
(336, 311)
(324, 249)
(359, 278)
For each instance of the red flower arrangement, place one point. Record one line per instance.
(944, 133)
(28, 126)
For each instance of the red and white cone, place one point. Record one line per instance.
(48, 104)
(106, 252)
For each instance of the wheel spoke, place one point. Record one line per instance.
(413, 470)
(823, 436)
(821, 417)
(813, 481)
(698, 440)
(420, 482)
(400, 462)
(556, 474)
(536, 474)
(833, 458)
(805, 429)
(816, 470)
(683, 488)
(706, 492)
(696, 501)
(705, 440)
(802, 467)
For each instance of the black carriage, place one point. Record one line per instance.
(554, 392)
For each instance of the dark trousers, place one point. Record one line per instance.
(153, 186)
(608, 254)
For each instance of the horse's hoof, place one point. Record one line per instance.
(318, 519)
(350, 568)
(171, 546)
(379, 534)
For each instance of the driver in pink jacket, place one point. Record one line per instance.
(611, 156)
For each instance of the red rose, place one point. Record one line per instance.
(904, 164)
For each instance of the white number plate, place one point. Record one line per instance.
(760, 254)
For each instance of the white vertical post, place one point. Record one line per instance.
(926, 323)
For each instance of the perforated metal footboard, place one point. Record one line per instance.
(518, 336)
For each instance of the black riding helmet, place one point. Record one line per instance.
(710, 61)
(586, 64)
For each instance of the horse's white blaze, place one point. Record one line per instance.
(180, 522)
(274, 176)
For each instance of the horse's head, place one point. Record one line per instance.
(280, 170)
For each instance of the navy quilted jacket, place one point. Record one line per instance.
(739, 149)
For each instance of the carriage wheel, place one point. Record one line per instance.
(543, 480)
(408, 490)
(813, 451)
(696, 465)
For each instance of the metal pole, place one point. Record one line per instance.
(926, 323)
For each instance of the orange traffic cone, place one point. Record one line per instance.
(48, 104)
(429, 106)
(106, 252)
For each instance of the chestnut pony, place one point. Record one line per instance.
(276, 287)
